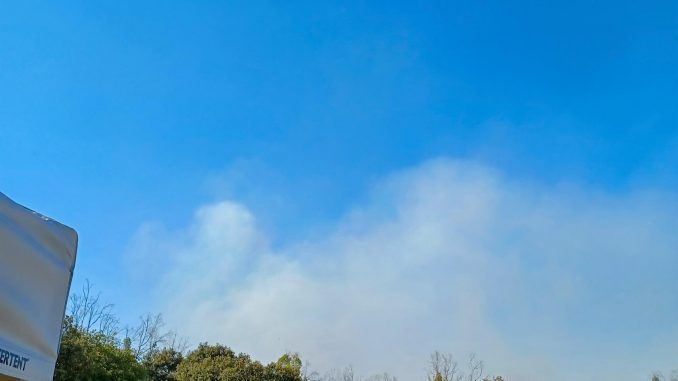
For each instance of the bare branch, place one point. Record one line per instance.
(147, 337)
(442, 367)
(90, 315)
(476, 368)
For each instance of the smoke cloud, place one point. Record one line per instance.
(543, 282)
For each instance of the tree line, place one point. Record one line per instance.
(94, 346)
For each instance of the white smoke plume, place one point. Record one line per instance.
(543, 282)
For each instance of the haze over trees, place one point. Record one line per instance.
(95, 347)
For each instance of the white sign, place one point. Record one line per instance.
(37, 256)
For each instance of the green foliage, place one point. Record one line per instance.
(287, 368)
(94, 356)
(162, 365)
(90, 356)
(220, 363)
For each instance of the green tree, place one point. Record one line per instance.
(287, 368)
(220, 363)
(94, 356)
(162, 365)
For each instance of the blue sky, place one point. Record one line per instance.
(121, 119)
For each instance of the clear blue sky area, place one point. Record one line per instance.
(116, 113)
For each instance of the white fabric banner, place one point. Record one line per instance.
(37, 256)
